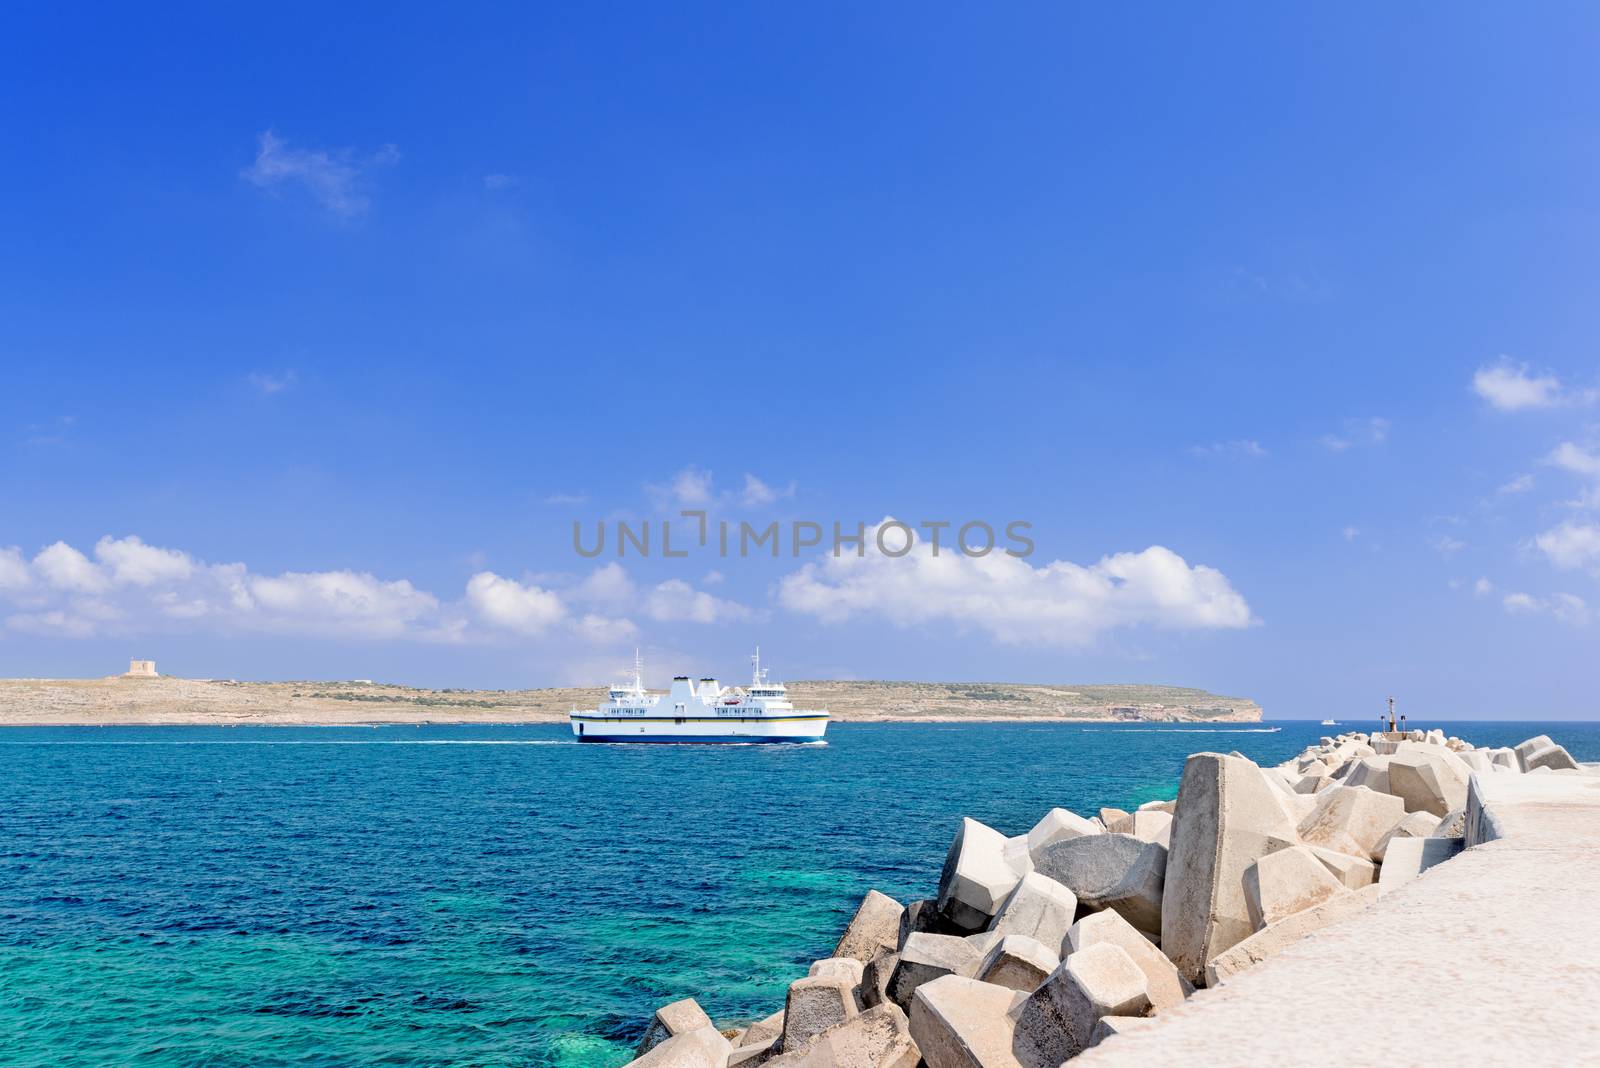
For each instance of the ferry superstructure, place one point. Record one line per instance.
(703, 711)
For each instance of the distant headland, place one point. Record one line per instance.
(143, 697)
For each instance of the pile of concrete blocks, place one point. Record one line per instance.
(1036, 947)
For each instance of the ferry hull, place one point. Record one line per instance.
(705, 731)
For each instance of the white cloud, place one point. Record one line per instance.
(602, 630)
(1447, 545)
(1568, 608)
(130, 587)
(339, 601)
(1512, 387)
(14, 573)
(1570, 456)
(54, 623)
(1060, 603)
(132, 562)
(566, 498)
(695, 488)
(48, 433)
(1571, 545)
(65, 568)
(268, 384)
(1583, 461)
(757, 493)
(333, 179)
(1520, 484)
(607, 586)
(675, 601)
(593, 605)
(1372, 430)
(496, 182)
(507, 603)
(1519, 602)
(689, 488)
(1244, 447)
(1563, 607)
(1482, 588)
(1351, 533)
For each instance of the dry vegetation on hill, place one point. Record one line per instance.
(198, 701)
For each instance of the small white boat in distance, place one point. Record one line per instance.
(1329, 723)
(705, 712)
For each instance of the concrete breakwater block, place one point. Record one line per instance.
(1151, 826)
(1553, 757)
(845, 969)
(1016, 854)
(751, 1056)
(1030, 954)
(964, 1023)
(1058, 825)
(678, 1018)
(926, 957)
(1283, 883)
(1523, 750)
(1110, 818)
(815, 1004)
(1453, 825)
(1410, 857)
(877, 1038)
(1164, 986)
(1371, 772)
(1018, 962)
(1228, 817)
(1111, 871)
(922, 916)
(1433, 782)
(1413, 825)
(875, 979)
(976, 878)
(1351, 819)
(1111, 1026)
(1057, 1021)
(1319, 778)
(1101, 980)
(874, 928)
(983, 942)
(1505, 758)
(1352, 872)
(763, 1030)
(1408, 744)
(703, 1047)
(1040, 907)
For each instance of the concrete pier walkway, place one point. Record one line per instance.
(1491, 958)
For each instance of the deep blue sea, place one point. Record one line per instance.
(492, 895)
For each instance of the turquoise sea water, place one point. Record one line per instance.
(492, 895)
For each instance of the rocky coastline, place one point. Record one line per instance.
(1037, 948)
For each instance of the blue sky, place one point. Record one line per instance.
(1277, 325)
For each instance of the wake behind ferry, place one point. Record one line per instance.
(704, 712)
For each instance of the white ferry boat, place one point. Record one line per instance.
(704, 712)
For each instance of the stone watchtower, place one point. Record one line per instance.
(141, 669)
